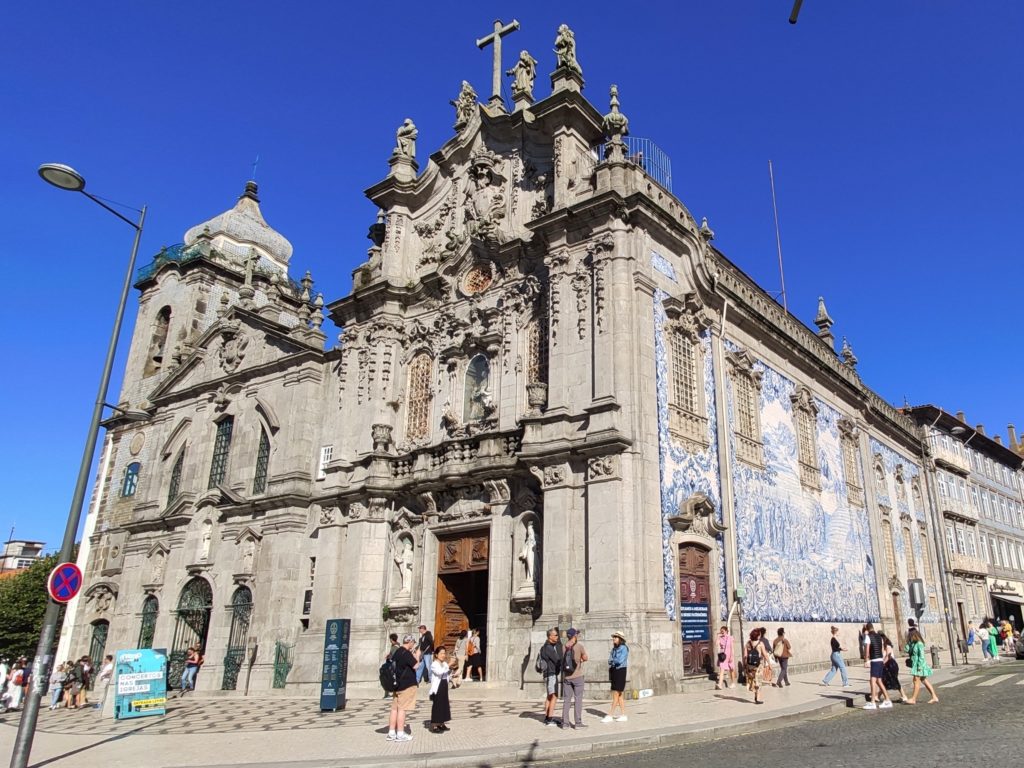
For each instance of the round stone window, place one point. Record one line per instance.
(478, 279)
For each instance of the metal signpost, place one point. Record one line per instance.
(140, 683)
(335, 670)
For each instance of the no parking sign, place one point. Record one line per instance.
(64, 583)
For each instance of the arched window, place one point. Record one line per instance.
(478, 404)
(191, 627)
(158, 342)
(421, 398)
(175, 484)
(131, 479)
(805, 413)
(221, 450)
(150, 609)
(259, 483)
(98, 642)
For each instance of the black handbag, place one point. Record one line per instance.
(721, 657)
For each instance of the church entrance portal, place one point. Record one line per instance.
(695, 609)
(191, 626)
(461, 587)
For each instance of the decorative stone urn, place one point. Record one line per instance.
(537, 396)
(381, 434)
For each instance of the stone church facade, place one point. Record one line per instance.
(553, 402)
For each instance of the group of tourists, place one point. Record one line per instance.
(71, 682)
(562, 665)
(992, 635)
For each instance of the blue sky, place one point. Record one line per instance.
(895, 130)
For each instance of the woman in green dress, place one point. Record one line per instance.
(993, 640)
(919, 668)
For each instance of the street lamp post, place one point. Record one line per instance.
(69, 179)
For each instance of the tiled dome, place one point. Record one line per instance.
(243, 227)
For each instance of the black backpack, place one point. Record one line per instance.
(753, 656)
(569, 661)
(389, 675)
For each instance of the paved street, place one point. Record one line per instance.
(817, 725)
(977, 720)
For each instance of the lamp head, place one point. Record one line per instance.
(959, 431)
(62, 176)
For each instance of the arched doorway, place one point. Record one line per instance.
(191, 626)
(241, 612)
(150, 609)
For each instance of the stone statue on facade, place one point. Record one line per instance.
(405, 138)
(404, 561)
(528, 554)
(523, 74)
(157, 570)
(248, 556)
(565, 50)
(465, 106)
(207, 540)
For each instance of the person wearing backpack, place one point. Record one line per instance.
(752, 653)
(405, 659)
(573, 659)
(549, 662)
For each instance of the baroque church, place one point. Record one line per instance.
(553, 403)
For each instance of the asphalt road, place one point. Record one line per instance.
(979, 717)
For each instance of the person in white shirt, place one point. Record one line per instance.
(106, 673)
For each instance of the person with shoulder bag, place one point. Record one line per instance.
(783, 653)
(549, 663)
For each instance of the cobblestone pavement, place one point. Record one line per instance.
(979, 719)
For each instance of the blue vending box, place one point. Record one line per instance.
(140, 683)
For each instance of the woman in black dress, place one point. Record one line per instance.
(440, 673)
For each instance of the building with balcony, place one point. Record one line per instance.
(19, 555)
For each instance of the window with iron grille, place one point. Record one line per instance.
(746, 422)
(908, 548)
(684, 373)
(805, 414)
(854, 490)
(131, 479)
(175, 485)
(221, 449)
(421, 397)
(150, 609)
(259, 483)
(537, 373)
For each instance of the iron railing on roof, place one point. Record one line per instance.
(649, 156)
(182, 254)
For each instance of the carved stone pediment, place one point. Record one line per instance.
(696, 516)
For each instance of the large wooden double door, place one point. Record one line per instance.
(461, 587)
(695, 609)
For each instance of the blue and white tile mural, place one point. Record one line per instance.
(897, 481)
(682, 473)
(803, 556)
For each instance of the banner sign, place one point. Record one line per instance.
(696, 621)
(335, 669)
(140, 683)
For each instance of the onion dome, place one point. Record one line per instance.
(242, 228)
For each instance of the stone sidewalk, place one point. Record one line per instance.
(292, 733)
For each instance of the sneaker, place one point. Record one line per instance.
(621, 719)
(579, 725)
(403, 736)
(550, 722)
(871, 705)
(607, 719)
(885, 705)
(391, 735)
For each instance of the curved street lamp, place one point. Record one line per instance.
(67, 178)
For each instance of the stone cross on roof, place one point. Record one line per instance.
(494, 38)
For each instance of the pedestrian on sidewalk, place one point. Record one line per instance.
(460, 659)
(876, 656)
(426, 648)
(476, 657)
(862, 642)
(188, 674)
(618, 660)
(573, 659)
(726, 662)
(767, 660)
(1007, 637)
(783, 652)
(550, 663)
(919, 668)
(971, 636)
(993, 637)
(752, 660)
(891, 668)
(440, 710)
(403, 701)
(104, 678)
(986, 649)
(83, 692)
(836, 657)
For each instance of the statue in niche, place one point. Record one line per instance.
(248, 555)
(406, 140)
(404, 561)
(207, 540)
(565, 50)
(523, 74)
(157, 571)
(528, 554)
(465, 106)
